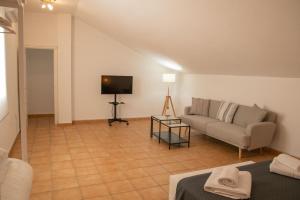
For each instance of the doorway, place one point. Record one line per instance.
(41, 83)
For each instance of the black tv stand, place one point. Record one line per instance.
(115, 118)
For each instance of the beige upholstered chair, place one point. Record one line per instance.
(15, 178)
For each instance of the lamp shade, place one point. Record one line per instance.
(169, 78)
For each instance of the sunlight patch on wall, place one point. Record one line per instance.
(169, 64)
(3, 89)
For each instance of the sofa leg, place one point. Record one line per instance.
(240, 153)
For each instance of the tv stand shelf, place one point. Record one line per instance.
(115, 103)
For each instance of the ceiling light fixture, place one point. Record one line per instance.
(48, 4)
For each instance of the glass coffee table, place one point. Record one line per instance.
(169, 136)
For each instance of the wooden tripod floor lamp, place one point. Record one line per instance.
(168, 78)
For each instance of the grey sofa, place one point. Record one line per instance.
(239, 132)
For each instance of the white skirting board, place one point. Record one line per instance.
(174, 179)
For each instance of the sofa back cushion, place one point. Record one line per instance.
(200, 106)
(246, 115)
(214, 108)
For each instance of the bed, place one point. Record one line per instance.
(265, 185)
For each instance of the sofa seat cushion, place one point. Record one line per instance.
(230, 133)
(197, 122)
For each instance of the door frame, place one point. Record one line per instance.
(55, 68)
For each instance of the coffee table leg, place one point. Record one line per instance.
(169, 138)
(151, 128)
(185, 130)
(189, 136)
(159, 131)
(179, 136)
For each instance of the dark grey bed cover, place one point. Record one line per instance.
(265, 185)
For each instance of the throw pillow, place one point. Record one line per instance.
(222, 110)
(214, 107)
(231, 112)
(246, 115)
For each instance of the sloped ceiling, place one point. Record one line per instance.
(237, 37)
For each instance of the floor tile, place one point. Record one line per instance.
(83, 163)
(60, 157)
(63, 173)
(64, 183)
(41, 186)
(127, 196)
(86, 171)
(41, 196)
(143, 183)
(154, 170)
(161, 179)
(68, 194)
(135, 173)
(119, 187)
(93, 179)
(156, 193)
(100, 198)
(94, 191)
(172, 167)
(165, 188)
(113, 176)
(62, 165)
(42, 175)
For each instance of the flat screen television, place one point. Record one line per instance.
(116, 84)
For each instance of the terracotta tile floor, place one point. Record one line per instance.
(92, 161)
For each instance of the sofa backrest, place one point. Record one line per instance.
(213, 108)
(244, 115)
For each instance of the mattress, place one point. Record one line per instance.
(174, 179)
(265, 185)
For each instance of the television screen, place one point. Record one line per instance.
(116, 84)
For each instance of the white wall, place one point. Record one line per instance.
(54, 30)
(40, 29)
(40, 81)
(64, 69)
(9, 126)
(95, 54)
(280, 95)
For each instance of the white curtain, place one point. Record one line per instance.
(3, 89)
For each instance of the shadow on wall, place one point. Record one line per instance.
(280, 130)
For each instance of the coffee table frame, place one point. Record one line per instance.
(168, 136)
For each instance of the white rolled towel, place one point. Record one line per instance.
(243, 191)
(289, 161)
(282, 169)
(229, 176)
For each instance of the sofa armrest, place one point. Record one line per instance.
(261, 134)
(187, 110)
